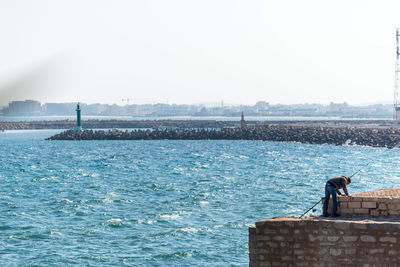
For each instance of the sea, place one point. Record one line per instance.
(162, 202)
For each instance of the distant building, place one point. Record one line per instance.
(59, 108)
(262, 106)
(23, 108)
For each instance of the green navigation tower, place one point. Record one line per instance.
(78, 119)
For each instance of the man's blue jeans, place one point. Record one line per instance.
(330, 190)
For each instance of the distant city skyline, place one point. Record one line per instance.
(132, 101)
(188, 52)
(261, 108)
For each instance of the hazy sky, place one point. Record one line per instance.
(198, 51)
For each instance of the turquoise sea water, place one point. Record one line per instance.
(161, 203)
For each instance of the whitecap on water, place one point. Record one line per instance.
(105, 200)
(55, 233)
(227, 156)
(178, 170)
(116, 220)
(169, 216)
(64, 200)
(143, 221)
(273, 153)
(187, 230)
(203, 203)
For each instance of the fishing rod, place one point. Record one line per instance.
(360, 169)
(321, 199)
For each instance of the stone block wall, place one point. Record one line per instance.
(364, 205)
(325, 242)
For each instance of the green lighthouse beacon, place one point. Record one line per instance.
(78, 119)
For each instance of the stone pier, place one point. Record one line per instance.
(367, 234)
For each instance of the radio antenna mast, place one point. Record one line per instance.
(396, 111)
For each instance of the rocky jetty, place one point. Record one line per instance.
(110, 124)
(183, 124)
(375, 137)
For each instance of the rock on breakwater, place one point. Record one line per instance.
(375, 137)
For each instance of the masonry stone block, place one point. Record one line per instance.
(374, 213)
(344, 199)
(370, 199)
(290, 224)
(332, 238)
(335, 252)
(388, 239)
(284, 231)
(354, 204)
(350, 238)
(264, 238)
(356, 199)
(382, 206)
(347, 211)
(299, 252)
(271, 244)
(351, 251)
(361, 211)
(367, 238)
(341, 225)
(376, 251)
(368, 205)
(278, 238)
(394, 212)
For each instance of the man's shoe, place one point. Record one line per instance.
(335, 215)
(325, 215)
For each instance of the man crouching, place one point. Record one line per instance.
(331, 188)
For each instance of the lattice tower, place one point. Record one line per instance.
(396, 111)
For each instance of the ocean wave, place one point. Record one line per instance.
(116, 220)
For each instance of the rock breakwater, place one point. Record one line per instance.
(183, 124)
(375, 137)
(109, 124)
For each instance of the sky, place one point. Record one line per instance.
(188, 52)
